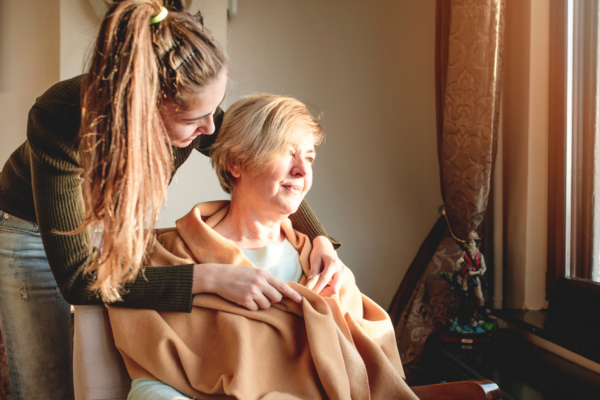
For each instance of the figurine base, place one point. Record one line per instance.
(466, 338)
(478, 328)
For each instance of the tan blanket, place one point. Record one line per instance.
(340, 347)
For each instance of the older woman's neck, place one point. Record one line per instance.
(250, 228)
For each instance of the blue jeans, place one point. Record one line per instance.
(35, 319)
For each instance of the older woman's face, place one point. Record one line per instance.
(281, 186)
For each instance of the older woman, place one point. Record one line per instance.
(264, 160)
(341, 346)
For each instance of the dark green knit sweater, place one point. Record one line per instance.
(41, 182)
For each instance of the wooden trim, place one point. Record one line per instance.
(577, 300)
(584, 137)
(556, 146)
(475, 390)
(579, 283)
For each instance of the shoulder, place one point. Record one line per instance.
(54, 120)
(60, 104)
(63, 96)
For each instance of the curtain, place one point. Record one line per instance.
(468, 70)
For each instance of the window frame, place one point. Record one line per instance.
(574, 296)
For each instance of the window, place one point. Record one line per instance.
(574, 157)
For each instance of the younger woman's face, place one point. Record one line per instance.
(185, 125)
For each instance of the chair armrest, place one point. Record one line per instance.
(481, 389)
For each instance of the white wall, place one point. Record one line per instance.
(29, 64)
(525, 140)
(78, 29)
(369, 66)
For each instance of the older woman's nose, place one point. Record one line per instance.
(300, 168)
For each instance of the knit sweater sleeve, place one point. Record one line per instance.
(59, 206)
(304, 219)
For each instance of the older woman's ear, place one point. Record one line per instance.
(235, 171)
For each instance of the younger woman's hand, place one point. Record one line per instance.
(325, 261)
(248, 287)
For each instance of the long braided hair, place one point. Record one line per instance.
(124, 147)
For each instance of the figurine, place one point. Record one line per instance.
(468, 282)
(471, 267)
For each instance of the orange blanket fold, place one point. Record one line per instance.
(340, 347)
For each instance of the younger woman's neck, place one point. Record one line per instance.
(250, 228)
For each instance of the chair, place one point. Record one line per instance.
(99, 372)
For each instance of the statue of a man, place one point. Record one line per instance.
(471, 266)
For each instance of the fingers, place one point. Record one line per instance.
(338, 279)
(315, 266)
(249, 303)
(284, 289)
(262, 301)
(332, 277)
(324, 260)
(312, 281)
(255, 301)
(331, 267)
(265, 290)
(271, 293)
(321, 283)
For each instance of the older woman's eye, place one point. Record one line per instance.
(310, 159)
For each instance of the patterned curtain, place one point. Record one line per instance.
(469, 40)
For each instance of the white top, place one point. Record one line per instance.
(280, 260)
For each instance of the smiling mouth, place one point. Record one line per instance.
(190, 139)
(293, 188)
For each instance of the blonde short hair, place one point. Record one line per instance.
(255, 129)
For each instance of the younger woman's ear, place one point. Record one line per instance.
(235, 171)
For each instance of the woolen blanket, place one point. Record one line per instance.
(339, 347)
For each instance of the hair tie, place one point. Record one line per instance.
(157, 18)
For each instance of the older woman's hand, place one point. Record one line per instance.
(325, 261)
(249, 287)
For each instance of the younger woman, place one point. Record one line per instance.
(100, 152)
